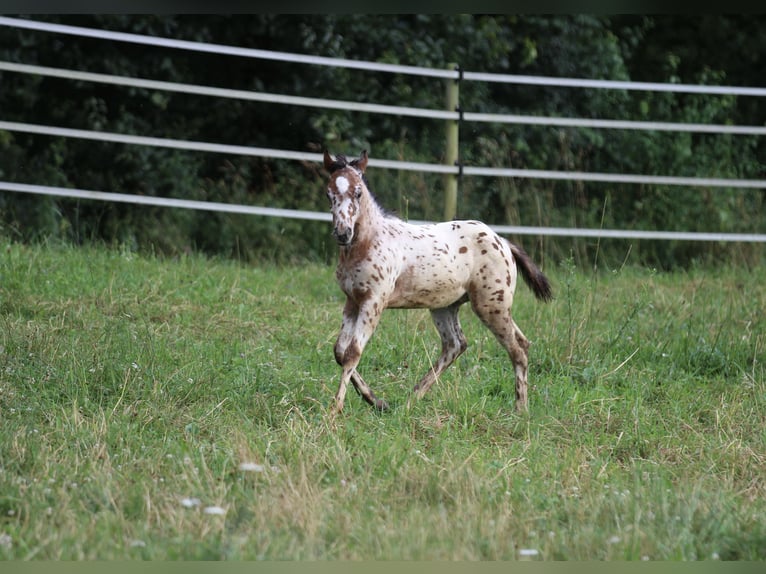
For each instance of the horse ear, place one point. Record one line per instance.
(328, 162)
(361, 163)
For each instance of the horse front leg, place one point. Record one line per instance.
(359, 323)
(366, 393)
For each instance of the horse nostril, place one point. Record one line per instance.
(342, 237)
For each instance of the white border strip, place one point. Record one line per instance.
(225, 50)
(385, 164)
(615, 177)
(614, 124)
(379, 66)
(321, 216)
(229, 93)
(164, 201)
(212, 147)
(631, 234)
(614, 84)
(376, 108)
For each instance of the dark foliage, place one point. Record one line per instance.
(689, 49)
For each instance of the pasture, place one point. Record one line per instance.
(156, 408)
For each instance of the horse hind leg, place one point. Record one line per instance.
(453, 344)
(521, 367)
(495, 313)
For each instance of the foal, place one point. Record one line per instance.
(385, 262)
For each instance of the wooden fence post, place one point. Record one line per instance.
(451, 152)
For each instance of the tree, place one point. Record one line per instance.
(721, 49)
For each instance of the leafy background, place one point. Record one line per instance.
(706, 49)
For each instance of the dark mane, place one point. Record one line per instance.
(340, 162)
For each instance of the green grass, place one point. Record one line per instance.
(130, 383)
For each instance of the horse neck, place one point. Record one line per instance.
(371, 216)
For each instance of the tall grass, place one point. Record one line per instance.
(133, 388)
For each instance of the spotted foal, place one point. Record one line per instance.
(385, 262)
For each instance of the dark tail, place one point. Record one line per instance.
(531, 273)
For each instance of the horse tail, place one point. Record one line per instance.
(531, 273)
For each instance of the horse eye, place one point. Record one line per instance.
(358, 192)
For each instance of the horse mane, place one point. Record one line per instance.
(340, 162)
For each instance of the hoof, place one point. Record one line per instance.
(381, 405)
(335, 409)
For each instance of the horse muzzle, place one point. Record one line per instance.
(343, 237)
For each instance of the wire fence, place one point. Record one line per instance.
(361, 107)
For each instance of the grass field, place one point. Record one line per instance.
(134, 388)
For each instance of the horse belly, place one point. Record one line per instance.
(433, 287)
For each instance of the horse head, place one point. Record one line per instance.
(346, 193)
